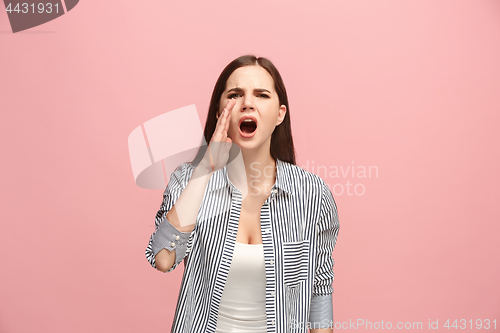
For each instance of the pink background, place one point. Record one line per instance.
(410, 87)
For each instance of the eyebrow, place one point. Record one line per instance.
(237, 89)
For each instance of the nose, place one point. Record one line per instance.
(247, 102)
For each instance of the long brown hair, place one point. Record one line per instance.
(281, 139)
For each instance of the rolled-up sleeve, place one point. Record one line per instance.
(166, 236)
(321, 313)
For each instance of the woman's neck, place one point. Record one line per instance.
(252, 171)
(260, 171)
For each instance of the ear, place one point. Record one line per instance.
(281, 115)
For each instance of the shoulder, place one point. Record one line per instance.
(180, 177)
(303, 179)
(309, 185)
(185, 169)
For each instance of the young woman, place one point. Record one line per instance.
(256, 232)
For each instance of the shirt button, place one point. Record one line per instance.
(272, 322)
(272, 293)
(173, 244)
(176, 237)
(271, 262)
(275, 191)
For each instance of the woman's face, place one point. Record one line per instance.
(252, 87)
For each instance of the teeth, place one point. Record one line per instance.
(247, 120)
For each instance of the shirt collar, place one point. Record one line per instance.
(284, 178)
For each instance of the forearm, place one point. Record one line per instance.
(164, 260)
(185, 210)
(182, 216)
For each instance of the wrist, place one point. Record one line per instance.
(201, 171)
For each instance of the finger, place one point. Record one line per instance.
(211, 160)
(230, 105)
(226, 110)
(218, 128)
(226, 124)
(227, 121)
(222, 122)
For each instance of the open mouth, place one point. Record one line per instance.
(248, 126)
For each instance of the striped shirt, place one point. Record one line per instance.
(299, 225)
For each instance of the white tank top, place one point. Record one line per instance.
(243, 303)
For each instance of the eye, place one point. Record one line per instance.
(264, 96)
(234, 95)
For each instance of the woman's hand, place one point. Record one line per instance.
(217, 153)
